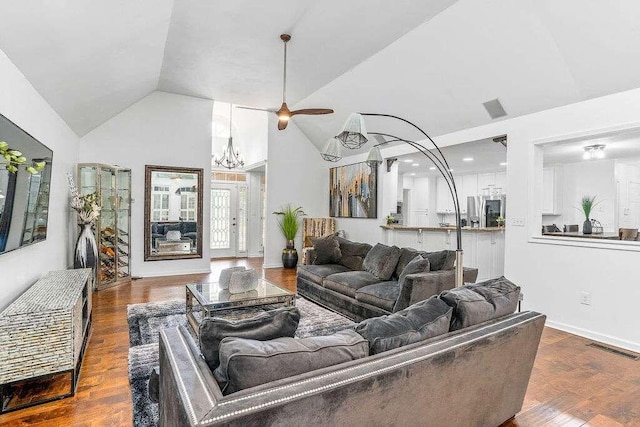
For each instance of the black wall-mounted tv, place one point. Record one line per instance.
(24, 196)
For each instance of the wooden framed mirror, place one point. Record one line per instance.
(172, 213)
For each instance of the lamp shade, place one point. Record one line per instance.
(354, 132)
(332, 151)
(375, 157)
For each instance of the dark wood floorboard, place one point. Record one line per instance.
(571, 384)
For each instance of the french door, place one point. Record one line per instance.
(228, 220)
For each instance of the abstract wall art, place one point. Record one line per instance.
(353, 191)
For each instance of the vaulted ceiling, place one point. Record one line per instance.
(434, 62)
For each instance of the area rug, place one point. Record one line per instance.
(146, 320)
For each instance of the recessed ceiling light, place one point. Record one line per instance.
(408, 161)
(467, 159)
(416, 164)
(432, 168)
(503, 163)
(413, 174)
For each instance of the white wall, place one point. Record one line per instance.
(161, 129)
(254, 221)
(21, 104)
(593, 178)
(296, 174)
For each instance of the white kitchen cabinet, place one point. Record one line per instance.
(501, 181)
(444, 201)
(486, 180)
(467, 186)
(551, 193)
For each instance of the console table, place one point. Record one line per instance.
(43, 335)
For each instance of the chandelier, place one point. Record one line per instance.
(230, 158)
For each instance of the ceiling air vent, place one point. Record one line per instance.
(494, 108)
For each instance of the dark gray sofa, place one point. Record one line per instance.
(345, 287)
(476, 375)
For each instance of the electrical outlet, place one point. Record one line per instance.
(517, 222)
(585, 298)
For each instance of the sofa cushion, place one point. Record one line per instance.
(189, 227)
(246, 363)
(381, 261)
(417, 265)
(317, 273)
(349, 282)
(425, 319)
(406, 256)
(172, 227)
(383, 295)
(440, 260)
(327, 250)
(353, 253)
(281, 322)
(479, 302)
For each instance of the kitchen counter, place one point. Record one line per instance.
(483, 247)
(448, 228)
(607, 236)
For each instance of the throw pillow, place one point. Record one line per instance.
(406, 256)
(417, 265)
(353, 253)
(327, 249)
(420, 321)
(479, 302)
(381, 261)
(440, 260)
(281, 322)
(246, 363)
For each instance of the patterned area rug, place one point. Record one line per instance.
(146, 320)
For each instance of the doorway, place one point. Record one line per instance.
(228, 219)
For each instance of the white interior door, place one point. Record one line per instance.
(228, 220)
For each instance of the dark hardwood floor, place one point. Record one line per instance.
(571, 384)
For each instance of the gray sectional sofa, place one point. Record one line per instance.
(470, 366)
(365, 281)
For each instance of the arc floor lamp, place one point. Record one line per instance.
(354, 135)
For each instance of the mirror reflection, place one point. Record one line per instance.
(24, 190)
(605, 170)
(173, 213)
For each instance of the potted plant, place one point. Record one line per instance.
(587, 203)
(290, 224)
(500, 220)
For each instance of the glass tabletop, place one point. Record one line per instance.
(210, 293)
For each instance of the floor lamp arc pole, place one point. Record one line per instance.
(439, 160)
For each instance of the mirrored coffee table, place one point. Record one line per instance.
(205, 299)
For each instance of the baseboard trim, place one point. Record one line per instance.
(173, 273)
(585, 333)
(278, 265)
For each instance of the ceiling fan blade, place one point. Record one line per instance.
(312, 111)
(282, 124)
(271, 110)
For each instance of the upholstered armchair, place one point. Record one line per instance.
(315, 227)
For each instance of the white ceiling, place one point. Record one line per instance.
(434, 62)
(91, 59)
(486, 154)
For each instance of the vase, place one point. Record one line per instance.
(86, 251)
(290, 255)
(586, 227)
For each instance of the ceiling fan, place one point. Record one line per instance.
(284, 114)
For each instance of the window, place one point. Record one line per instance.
(188, 204)
(160, 203)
